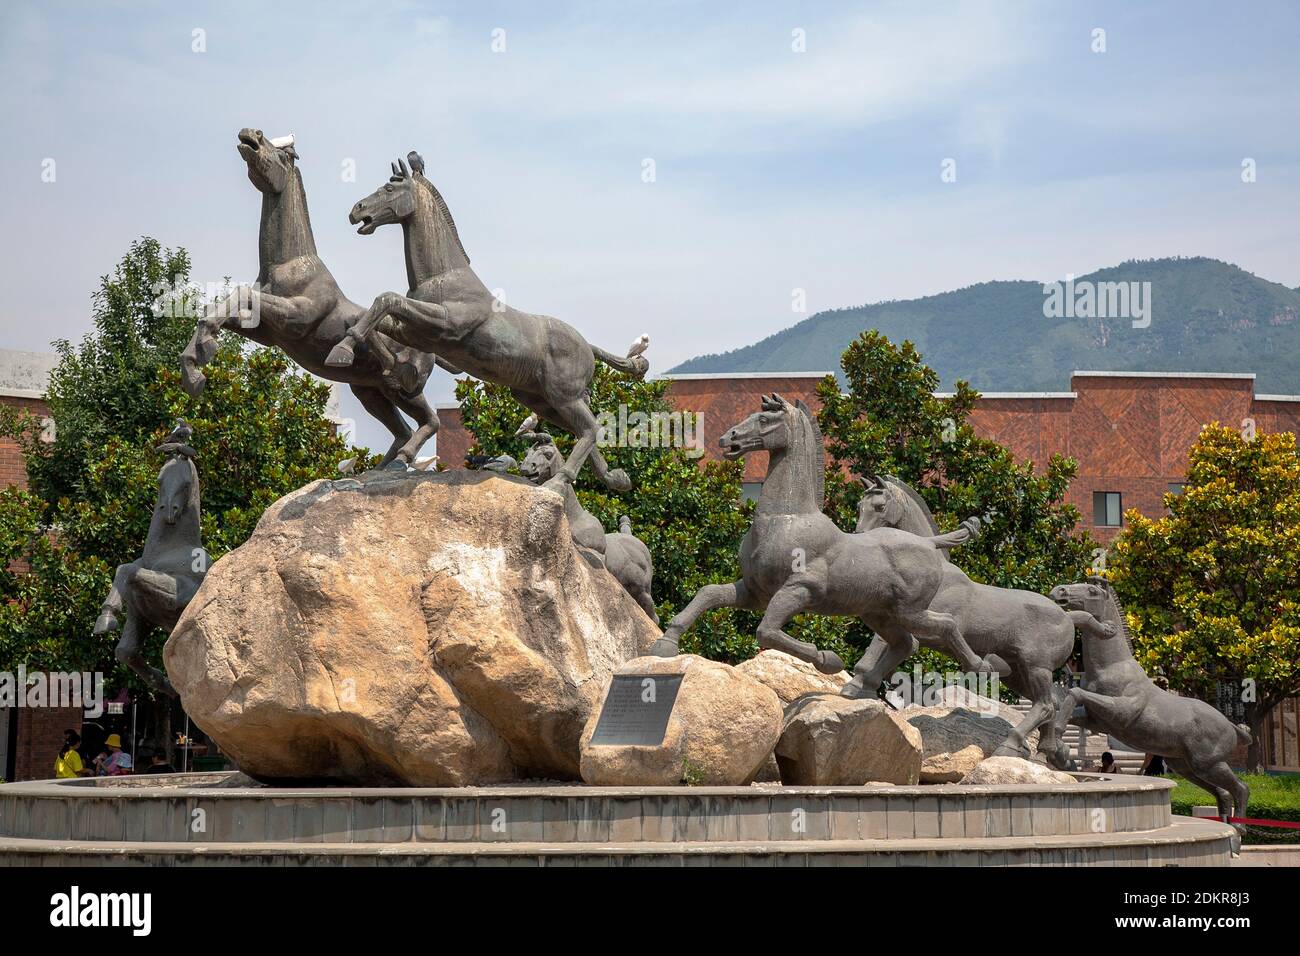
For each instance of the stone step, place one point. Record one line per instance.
(197, 815)
(1185, 842)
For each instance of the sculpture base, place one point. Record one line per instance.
(154, 821)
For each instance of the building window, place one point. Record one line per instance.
(1107, 511)
(750, 490)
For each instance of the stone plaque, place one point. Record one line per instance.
(636, 709)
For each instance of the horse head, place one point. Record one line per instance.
(767, 430)
(1093, 595)
(176, 483)
(270, 162)
(880, 506)
(543, 461)
(395, 201)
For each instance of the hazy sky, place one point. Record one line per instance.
(775, 170)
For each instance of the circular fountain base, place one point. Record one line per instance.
(226, 819)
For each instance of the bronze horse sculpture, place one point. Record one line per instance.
(298, 307)
(621, 553)
(794, 559)
(1117, 697)
(546, 363)
(1021, 635)
(156, 588)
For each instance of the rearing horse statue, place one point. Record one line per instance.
(794, 559)
(299, 308)
(544, 362)
(156, 588)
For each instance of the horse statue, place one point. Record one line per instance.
(154, 590)
(621, 553)
(297, 306)
(1021, 635)
(1117, 697)
(544, 362)
(794, 559)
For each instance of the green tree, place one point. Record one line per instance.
(890, 422)
(1211, 590)
(260, 432)
(690, 513)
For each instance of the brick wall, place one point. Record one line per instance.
(12, 469)
(40, 736)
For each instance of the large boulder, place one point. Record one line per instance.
(954, 740)
(1008, 770)
(790, 677)
(828, 740)
(721, 730)
(425, 629)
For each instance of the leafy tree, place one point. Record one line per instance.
(260, 432)
(890, 422)
(1212, 590)
(690, 513)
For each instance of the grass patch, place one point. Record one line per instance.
(1272, 797)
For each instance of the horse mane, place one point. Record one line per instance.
(819, 464)
(441, 205)
(915, 497)
(1121, 620)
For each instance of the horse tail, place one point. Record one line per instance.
(635, 365)
(1244, 736)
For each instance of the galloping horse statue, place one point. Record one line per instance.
(621, 553)
(297, 306)
(1021, 635)
(1118, 698)
(794, 559)
(544, 362)
(155, 589)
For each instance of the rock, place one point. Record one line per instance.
(955, 740)
(1005, 770)
(721, 731)
(957, 696)
(828, 740)
(790, 677)
(423, 629)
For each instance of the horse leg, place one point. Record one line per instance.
(109, 612)
(130, 653)
(426, 422)
(643, 598)
(887, 650)
(708, 598)
(785, 604)
(1038, 681)
(421, 325)
(1235, 793)
(374, 401)
(577, 418)
(944, 628)
(203, 346)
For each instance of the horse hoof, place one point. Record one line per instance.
(828, 662)
(617, 480)
(396, 465)
(1010, 750)
(340, 356)
(192, 382)
(664, 647)
(856, 690)
(107, 621)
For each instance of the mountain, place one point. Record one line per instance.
(1205, 316)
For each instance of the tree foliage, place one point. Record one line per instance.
(260, 432)
(1212, 589)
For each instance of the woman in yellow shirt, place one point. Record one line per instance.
(69, 762)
